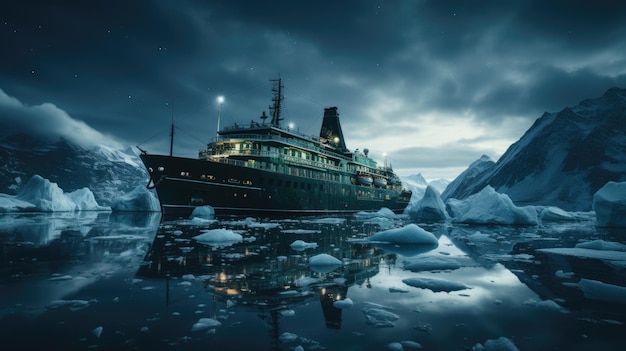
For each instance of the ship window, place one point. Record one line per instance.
(279, 183)
(301, 185)
(295, 185)
(161, 168)
(308, 186)
(270, 182)
(234, 181)
(288, 184)
(247, 182)
(184, 174)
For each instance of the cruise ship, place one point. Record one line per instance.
(266, 168)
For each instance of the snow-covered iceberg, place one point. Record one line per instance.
(324, 263)
(430, 207)
(490, 207)
(609, 202)
(41, 195)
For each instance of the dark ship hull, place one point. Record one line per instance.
(265, 168)
(235, 189)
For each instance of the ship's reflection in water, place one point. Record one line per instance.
(263, 272)
(139, 282)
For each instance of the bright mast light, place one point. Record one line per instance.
(220, 101)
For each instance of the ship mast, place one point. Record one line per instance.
(172, 131)
(277, 99)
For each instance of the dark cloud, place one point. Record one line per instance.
(396, 67)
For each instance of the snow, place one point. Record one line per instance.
(490, 207)
(409, 234)
(218, 237)
(139, 199)
(434, 284)
(499, 344)
(430, 207)
(597, 290)
(301, 245)
(41, 195)
(609, 202)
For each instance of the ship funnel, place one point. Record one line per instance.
(331, 130)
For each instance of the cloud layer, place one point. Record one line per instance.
(435, 84)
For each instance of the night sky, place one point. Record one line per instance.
(434, 84)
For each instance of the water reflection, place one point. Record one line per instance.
(147, 282)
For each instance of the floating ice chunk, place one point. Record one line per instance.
(203, 212)
(383, 212)
(220, 237)
(479, 237)
(263, 225)
(299, 348)
(301, 245)
(300, 231)
(564, 275)
(609, 202)
(431, 264)
(602, 245)
(288, 313)
(409, 234)
(597, 290)
(139, 199)
(549, 305)
(205, 323)
(410, 345)
(188, 277)
(288, 337)
(97, 331)
(379, 317)
(343, 304)
(324, 263)
(490, 207)
(608, 255)
(499, 344)
(554, 214)
(436, 285)
(397, 290)
(60, 277)
(330, 220)
(395, 346)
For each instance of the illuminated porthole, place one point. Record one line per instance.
(150, 169)
(161, 169)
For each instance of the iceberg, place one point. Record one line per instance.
(490, 207)
(430, 207)
(41, 195)
(218, 237)
(500, 344)
(609, 202)
(409, 234)
(554, 214)
(597, 290)
(139, 199)
(301, 245)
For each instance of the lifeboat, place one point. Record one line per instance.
(364, 179)
(380, 181)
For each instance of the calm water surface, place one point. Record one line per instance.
(138, 282)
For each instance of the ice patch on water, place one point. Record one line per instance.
(343, 304)
(499, 344)
(301, 245)
(434, 284)
(549, 305)
(409, 234)
(431, 264)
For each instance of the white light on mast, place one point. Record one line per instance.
(220, 101)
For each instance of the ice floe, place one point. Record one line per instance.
(548, 305)
(597, 290)
(404, 345)
(609, 203)
(205, 324)
(343, 304)
(324, 263)
(434, 284)
(490, 207)
(379, 316)
(203, 212)
(499, 344)
(301, 245)
(218, 237)
(431, 263)
(409, 234)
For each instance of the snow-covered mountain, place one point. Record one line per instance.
(107, 172)
(562, 160)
